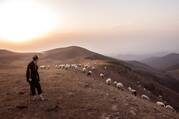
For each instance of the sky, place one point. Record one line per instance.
(104, 26)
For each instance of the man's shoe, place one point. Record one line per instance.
(34, 98)
(42, 98)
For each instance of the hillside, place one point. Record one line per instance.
(168, 63)
(67, 53)
(140, 66)
(173, 71)
(173, 67)
(71, 92)
(163, 62)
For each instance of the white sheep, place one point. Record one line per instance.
(45, 67)
(160, 96)
(67, 66)
(101, 75)
(89, 73)
(75, 67)
(120, 86)
(160, 104)
(42, 67)
(56, 66)
(86, 66)
(93, 68)
(79, 65)
(48, 67)
(169, 107)
(138, 82)
(84, 70)
(145, 97)
(59, 66)
(133, 92)
(62, 66)
(115, 83)
(108, 81)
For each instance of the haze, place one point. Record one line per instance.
(107, 26)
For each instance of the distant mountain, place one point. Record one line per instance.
(143, 67)
(6, 52)
(130, 57)
(9, 58)
(163, 62)
(137, 57)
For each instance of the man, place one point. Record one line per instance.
(33, 78)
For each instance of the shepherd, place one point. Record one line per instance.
(33, 78)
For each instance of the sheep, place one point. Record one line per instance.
(160, 104)
(101, 75)
(84, 70)
(115, 83)
(73, 65)
(89, 73)
(45, 67)
(87, 66)
(42, 67)
(108, 81)
(79, 65)
(48, 67)
(59, 66)
(145, 97)
(139, 86)
(160, 96)
(56, 66)
(76, 67)
(93, 68)
(105, 67)
(133, 92)
(67, 66)
(120, 86)
(169, 107)
(62, 66)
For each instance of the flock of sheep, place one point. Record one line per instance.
(88, 70)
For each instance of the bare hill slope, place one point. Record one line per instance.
(71, 92)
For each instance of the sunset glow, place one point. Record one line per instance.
(23, 21)
(104, 26)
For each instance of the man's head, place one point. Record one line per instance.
(35, 58)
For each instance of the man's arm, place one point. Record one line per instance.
(38, 77)
(28, 73)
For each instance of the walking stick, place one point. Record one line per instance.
(29, 97)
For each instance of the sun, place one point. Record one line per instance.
(21, 21)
